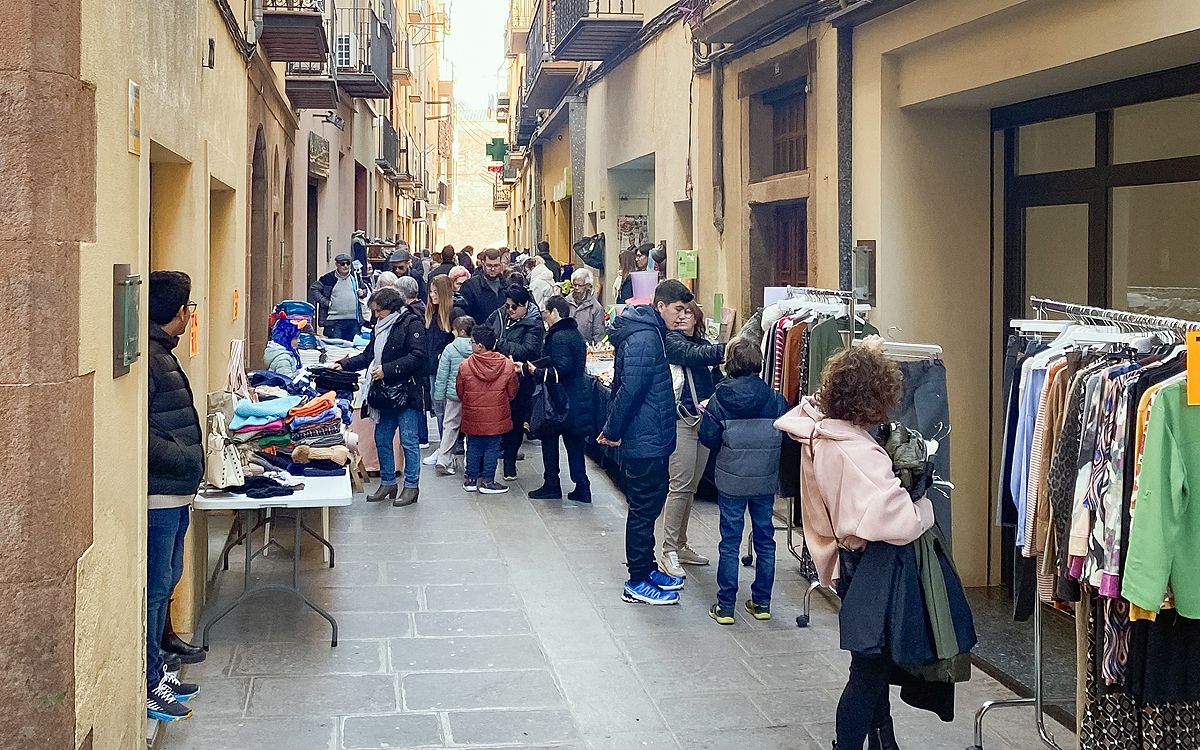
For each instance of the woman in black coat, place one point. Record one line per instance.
(563, 368)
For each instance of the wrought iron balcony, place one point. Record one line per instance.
(520, 14)
(362, 51)
(501, 196)
(313, 85)
(546, 80)
(402, 70)
(502, 108)
(594, 29)
(388, 161)
(294, 30)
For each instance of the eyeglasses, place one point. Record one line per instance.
(511, 306)
(343, 262)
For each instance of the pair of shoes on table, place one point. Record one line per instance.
(407, 497)
(546, 492)
(659, 588)
(384, 492)
(689, 556)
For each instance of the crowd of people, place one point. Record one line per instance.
(475, 338)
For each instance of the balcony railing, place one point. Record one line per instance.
(501, 196)
(294, 30)
(313, 85)
(594, 29)
(362, 50)
(537, 44)
(389, 150)
(520, 13)
(402, 72)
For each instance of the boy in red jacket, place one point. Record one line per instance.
(487, 384)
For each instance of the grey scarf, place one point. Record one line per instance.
(383, 329)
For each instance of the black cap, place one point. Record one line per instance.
(400, 256)
(342, 258)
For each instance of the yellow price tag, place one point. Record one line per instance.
(1193, 367)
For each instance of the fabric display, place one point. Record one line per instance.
(1098, 459)
(249, 413)
(263, 487)
(304, 454)
(344, 384)
(295, 386)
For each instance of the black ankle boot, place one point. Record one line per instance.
(882, 738)
(173, 644)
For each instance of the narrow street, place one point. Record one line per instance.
(497, 622)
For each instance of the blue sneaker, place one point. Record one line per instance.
(647, 593)
(665, 581)
(184, 691)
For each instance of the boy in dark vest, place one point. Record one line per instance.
(739, 427)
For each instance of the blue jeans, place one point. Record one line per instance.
(405, 420)
(164, 567)
(733, 520)
(483, 453)
(341, 329)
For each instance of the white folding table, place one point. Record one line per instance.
(318, 492)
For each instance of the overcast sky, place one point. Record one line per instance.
(476, 49)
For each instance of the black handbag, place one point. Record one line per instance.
(549, 411)
(403, 395)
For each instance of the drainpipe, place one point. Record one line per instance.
(718, 150)
(256, 29)
(845, 160)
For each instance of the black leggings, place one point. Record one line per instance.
(866, 701)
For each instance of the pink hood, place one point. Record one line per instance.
(850, 495)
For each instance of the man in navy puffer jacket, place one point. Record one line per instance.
(641, 420)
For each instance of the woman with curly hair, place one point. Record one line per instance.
(852, 497)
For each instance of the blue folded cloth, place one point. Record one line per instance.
(247, 413)
(329, 415)
(300, 470)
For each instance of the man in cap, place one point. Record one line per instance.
(401, 264)
(337, 296)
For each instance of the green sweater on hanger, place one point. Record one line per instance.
(825, 341)
(1165, 531)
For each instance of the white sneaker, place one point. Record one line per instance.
(429, 460)
(424, 445)
(669, 562)
(689, 556)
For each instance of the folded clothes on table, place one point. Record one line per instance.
(262, 413)
(275, 425)
(274, 441)
(339, 454)
(268, 392)
(322, 442)
(308, 470)
(333, 414)
(277, 460)
(296, 387)
(262, 487)
(314, 406)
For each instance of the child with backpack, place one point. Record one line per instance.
(739, 426)
(487, 384)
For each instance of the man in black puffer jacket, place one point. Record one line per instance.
(641, 420)
(175, 467)
(520, 335)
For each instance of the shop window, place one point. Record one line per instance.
(1155, 264)
(1057, 145)
(778, 138)
(1157, 130)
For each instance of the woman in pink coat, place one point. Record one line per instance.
(851, 496)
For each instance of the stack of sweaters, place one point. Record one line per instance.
(259, 425)
(320, 423)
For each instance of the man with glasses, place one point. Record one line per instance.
(586, 310)
(402, 263)
(174, 468)
(338, 296)
(484, 294)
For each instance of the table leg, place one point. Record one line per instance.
(325, 534)
(248, 591)
(329, 554)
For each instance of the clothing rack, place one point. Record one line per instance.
(1130, 322)
(841, 295)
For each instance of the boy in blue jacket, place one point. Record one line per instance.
(739, 426)
(641, 421)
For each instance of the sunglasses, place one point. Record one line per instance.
(343, 262)
(511, 306)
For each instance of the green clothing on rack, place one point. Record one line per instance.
(825, 341)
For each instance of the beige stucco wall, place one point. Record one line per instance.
(641, 109)
(196, 114)
(471, 219)
(925, 78)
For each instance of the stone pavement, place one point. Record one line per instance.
(496, 621)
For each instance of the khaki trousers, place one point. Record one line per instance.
(686, 469)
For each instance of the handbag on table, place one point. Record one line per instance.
(223, 461)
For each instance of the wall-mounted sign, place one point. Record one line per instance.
(135, 118)
(126, 320)
(497, 149)
(318, 155)
(194, 348)
(686, 265)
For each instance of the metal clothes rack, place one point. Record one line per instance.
(1131, 322)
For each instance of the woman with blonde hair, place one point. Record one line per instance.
(440, 314)
(623, 284)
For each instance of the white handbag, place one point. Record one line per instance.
(223, 465)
